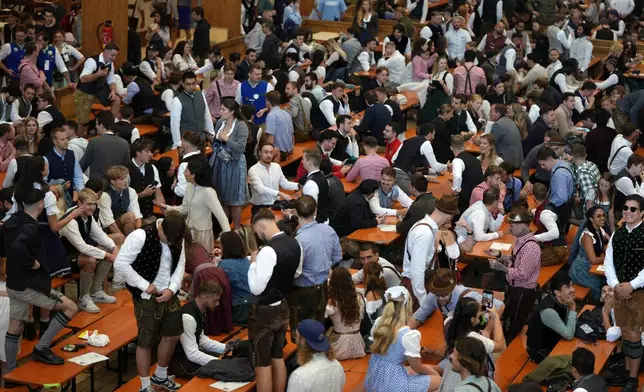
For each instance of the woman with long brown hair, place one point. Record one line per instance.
(31, 134)
(488, 155)
(520, 117)
(375, 287)
(366, 20)
(345, 308)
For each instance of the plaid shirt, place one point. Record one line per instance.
(524, 271)
(587, 179)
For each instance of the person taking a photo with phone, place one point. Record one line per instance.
(144, 178)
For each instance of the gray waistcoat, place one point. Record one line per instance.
(192, 112)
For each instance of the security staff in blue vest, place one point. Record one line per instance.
(190, 112)
(63, 167)
(253, 92)
(12, 53)
(50, 60)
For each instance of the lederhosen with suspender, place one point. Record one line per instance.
(468, 81)
(518, 302)
(615, 156)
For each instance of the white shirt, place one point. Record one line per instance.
(609, 267)
(536, 72)
(142, 171)
(192, 347)
(624, 7)
(392, 278)
(377, 209)
(499, 9)
(420, 247)
(90, 66)
(105, 214)
(71, 231)
(553, 67)
(366, 60)
(352, 147)
(565, 39)
(549, 220)
(456, 40)
(479, 224)
(619, 158)
(180, 188)
(534, 113)
(266, 182)
(175, 120)
(44, 118)
(311, 187)
(395, 65)
(15, 106)
(135, 131)
(238, 94)
(579, 105)
(261, 271)
(625, 185)
(469, 123)
(510, 56)
(449, 80)
(184, 63)
(293, 76)
(621, 26)
(326, 107)
(563, 86)
(317, 375)
(165, 278)
(582, 50)
(610, 81)
(167, 96)
(5, 51)
(78, 145)
(458, 167)
(146, 69)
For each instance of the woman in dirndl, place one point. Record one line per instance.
(228, 161)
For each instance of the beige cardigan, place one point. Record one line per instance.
(198, 203)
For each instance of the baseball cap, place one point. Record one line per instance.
(313, 332)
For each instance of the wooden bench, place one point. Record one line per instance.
(83, 319)
(57, 282)
(353, 381)
(511, 361)
(27, 346)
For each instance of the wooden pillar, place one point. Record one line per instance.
(96, 12)
(224, 14)
(306, 6)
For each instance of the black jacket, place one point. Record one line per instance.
(423, 205)
(353, 213)
(24, 244)
(442, 141)
(535, 136)
(270, 52)
(376, 118)
(201, 39)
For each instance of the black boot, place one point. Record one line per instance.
(29, 332)
(43, 327)
(47, 356)
(631, 385)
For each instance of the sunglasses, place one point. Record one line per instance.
(632, 209)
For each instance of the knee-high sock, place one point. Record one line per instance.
(11, 347)
(102, 269)
(58, 322)
(85, 283)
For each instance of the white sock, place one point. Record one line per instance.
(161, 372)
(145, 382)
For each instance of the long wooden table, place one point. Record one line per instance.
(375, 234)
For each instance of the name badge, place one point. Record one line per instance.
(46, 65)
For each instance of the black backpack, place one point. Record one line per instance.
(590, 327)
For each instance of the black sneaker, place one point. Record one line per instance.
(29, 332)
(631, 385)
(47, 356)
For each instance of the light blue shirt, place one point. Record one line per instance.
(290, 13)
(562, 184)
(331, 9)
(280, 125)
(132, 90)
(79, 184)
(321, 247)
(430, 303)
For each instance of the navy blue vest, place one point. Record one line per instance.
(120, 201)
(255, 96)
(15, 57)
(61, 168)
(47, 62)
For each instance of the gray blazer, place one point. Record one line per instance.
(103, 152)
(238, 138)
(508, 141)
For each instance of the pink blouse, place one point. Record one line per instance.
(213, 98)
(420, 68)
(29, 73)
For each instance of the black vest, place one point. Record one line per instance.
(144, 99)
(318, 121)
(21, 163)
(120, 201)
(92, 88)
(288, 259)
(619, 199)
(627, 253)
(553, 84)
(409, 157)
(148, 261)
(139, 183)
(458, 122)
(620, 82)
(472, 176)
(575, 113)
(193, 310)
(541, 337)
(124, 130)
(437, 32)
(153, 65)
(323, 195)
(614, 25)
(489, 11)
(605, 34)
(24, 108)
(402, 45)
(57, 122)
(84, 228)
(62, 168)
(397, 116)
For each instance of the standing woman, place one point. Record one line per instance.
(475, 109)
(158, 32)
(439, 91)
(228, 161)
(199, 202)
(488, 156)
(395, 344)
(421, 60)
(345, 308)
(71, 56)
(184, 9)
(367, 21)
(225, 86)
(540, 43)
(182, 57)
(595, 8)
(520, 117)
(593, 243)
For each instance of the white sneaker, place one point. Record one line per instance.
(118, 284)
(102, 297)
(87, 305)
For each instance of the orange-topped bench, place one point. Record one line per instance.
(83, 319)
(511, 361)
(27, 346)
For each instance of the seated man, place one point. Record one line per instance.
(188, 355)
(124, 127)
(424, 203)
(371, 164)
(554, 318)
(443, 293)
(492, 180)
(387, 194)
(118, 206)
(370, 253)
(96, 252)
(512, 185)
(354, 212)
(479, 217)
(583, 371)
